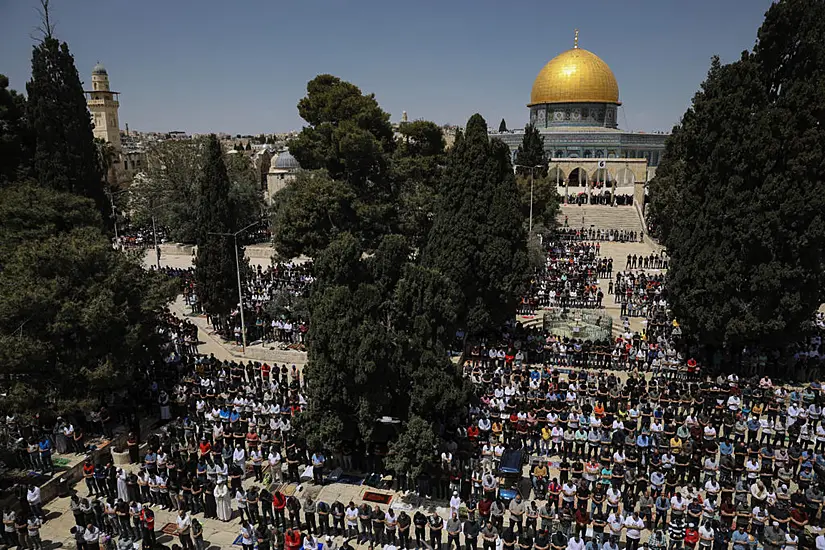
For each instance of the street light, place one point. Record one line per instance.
(111, 196)
(238, 268)
(532, 177)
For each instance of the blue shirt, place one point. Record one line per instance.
(739, 540)
(45, 446)
(725, 448)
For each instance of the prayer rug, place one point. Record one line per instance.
(380, 498)
(170, 528)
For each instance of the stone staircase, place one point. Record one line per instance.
(600, 216)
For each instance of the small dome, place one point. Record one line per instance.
(286, 161)
(99, 69)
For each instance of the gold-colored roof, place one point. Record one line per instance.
(575, 76)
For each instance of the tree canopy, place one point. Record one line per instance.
(530, 155)
(738, 199)
(215, 266)
(65, 156)
(78, 320)
(15, 137)
(376, 342)
(170, 185)
(478, 239)
(375, 183)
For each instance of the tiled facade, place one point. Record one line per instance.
(587, 142)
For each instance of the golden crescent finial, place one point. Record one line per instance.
(576, 39)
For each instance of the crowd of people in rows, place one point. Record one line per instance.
(687, 460)
(270, 297)
(569, 277)
(639, 294)
(619, 199)
(568, 233)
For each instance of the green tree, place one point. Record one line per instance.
(416, 169)
(15, 137)
(376, 339)
(244, 190)
(478, 239)
(65, 156)
(747, 237)
(77, 319)
(215, 270)
(502, 127)
(530, 155)
(348, 133)
(414, 450)
(309, 213)
(350, 136)
(545, 201)
(169, 187)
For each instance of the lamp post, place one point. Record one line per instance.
(238, 268)
(532, 177)
(111, 196)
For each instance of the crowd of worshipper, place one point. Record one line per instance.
(694, 460)
(600, 198)
(595, 234)
(227, 421)
(639, 294)
(651, 261)
(134, 237)
(569, 277)
(38, 439)
(268, 294)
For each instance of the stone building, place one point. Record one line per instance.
(282, 170)
(575, 103)
(103, 103)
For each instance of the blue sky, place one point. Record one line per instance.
(241, 67)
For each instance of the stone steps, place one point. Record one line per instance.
(600, 216)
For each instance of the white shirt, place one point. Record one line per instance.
(33, 496)
(634, 527)
(573, 544)
(184, 522)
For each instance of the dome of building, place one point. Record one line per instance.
(575, 76)
(286, 161)
(99, 69)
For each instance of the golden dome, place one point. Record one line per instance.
(575, 76)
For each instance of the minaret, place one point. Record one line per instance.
(103, 104)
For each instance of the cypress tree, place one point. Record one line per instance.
(502, 127)
(15, 143)
(531, 153)
(478, 239)
(739, 201)
(215, 270)
(65, 156)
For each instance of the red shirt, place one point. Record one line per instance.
(293, 541)
(278, 501)
(472, 432)
(148, 518)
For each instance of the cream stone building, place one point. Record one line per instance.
(282, 170)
